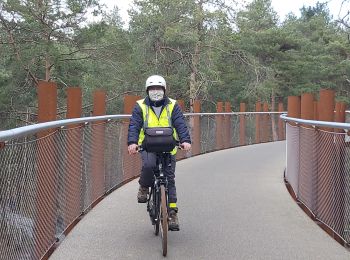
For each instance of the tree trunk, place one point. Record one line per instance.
(195, 58)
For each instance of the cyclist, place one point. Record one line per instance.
(160, 107)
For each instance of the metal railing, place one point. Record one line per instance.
(318, 171)
(51, 174)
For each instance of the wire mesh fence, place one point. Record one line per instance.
(49, 179)
(318, 170)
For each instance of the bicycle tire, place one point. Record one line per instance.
(156, 205)
(164, 220)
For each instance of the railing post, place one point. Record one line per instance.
(257, 122)
(73, 165)
(219, 126)
(266, 128)
(307, 151)
(98, 147)
(228, 126)
(307, 106)
(294, 106)
(46, 189)
(131, 164)
(196, 147)
(325, 188)
(280, 122)
(242, 123)
(292, 169)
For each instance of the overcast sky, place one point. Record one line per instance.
(282, 7)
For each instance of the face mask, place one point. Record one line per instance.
(156, 95)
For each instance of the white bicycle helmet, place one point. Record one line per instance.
(155, 80)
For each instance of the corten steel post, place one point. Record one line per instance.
(196, 131)
(280, 122)
(307, 106)
(131, 163)
(339, 170)
(266, 128)
(219, 127)
(228, 126)
(46, 190)
(180, 153)
(292, 170)
(294, 106)
(257, 122)
(73, 167)
(98, 147)
(242, 124)
(307, 154)
(325, 189)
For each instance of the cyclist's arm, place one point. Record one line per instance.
(179, 123)
(135, 125)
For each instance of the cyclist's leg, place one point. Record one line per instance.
(146, 178)
(172, 198)
(170, 173)
(149, 161)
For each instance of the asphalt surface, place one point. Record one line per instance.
(233, 204)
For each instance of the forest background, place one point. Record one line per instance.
(209, 50)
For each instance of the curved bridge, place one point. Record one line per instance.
(233, 205)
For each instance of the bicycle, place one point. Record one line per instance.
(157, 203)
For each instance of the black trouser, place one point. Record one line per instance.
(149, 163)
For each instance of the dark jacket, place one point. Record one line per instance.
(177, 120)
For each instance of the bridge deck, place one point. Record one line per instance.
(233, 205)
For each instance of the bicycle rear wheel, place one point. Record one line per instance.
(164, 220)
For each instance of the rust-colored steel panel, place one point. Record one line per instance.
(74, 159)
(307, 106)
(228, 126)
(294, 106)
(46, 171)
(99, 103)
(257, 122)
(242, 124)
(325, 172)
(219, 126)
(2, 145)
(47, 101)
(266, 129)
(131, 163)
(74, 102)
(98, 138)
(326, 109)
(280, 123)
(196, 131)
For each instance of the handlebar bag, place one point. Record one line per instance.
(159, 139)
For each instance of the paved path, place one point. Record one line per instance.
(233, 205)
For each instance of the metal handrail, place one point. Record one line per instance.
(7, 135)
(314, 123)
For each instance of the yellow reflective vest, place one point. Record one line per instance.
(151, 119)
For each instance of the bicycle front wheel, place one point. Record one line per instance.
(164, 220)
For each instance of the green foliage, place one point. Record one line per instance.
(206, 50)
